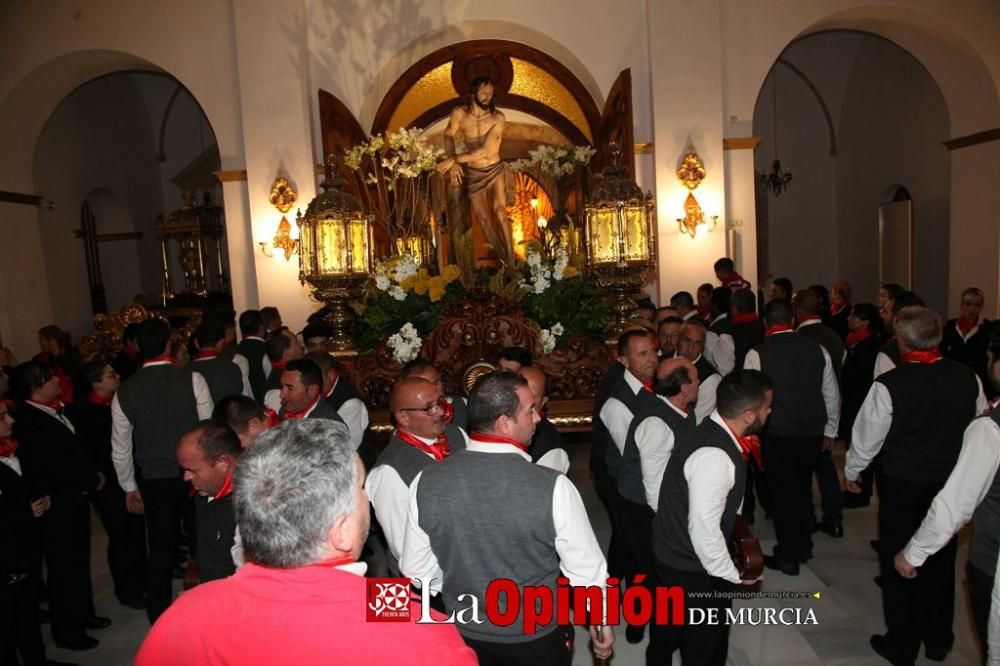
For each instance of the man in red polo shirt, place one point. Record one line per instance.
(301, 597)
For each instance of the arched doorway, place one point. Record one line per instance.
(848, 112)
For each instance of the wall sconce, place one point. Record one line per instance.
(283, 197)
(691, 173)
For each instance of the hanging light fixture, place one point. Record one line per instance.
(778, 180)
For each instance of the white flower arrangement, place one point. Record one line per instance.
(547, 337)
(389, 274)
(556, 161)
(541, 273)
(405, 344)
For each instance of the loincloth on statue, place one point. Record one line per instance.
(480, 180)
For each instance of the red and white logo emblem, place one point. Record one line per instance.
(388, 600)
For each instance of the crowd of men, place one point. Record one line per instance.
(258, 456)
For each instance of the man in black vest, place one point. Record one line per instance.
(914, 416)
(805, 420)
(637, 354)
(668, 332)
(245, 416)
(967, 337)
(490, 494)
(888, 355)
(421, 438)
(618, 558)
(683, 302)
(719, 348)
(222, 375)
(272, 319)
(340, 394)
(424, 369)
(514, 358)
(283, 346)
(691, 346)
(780, 290)
(55, 463)
(546, 448)
(251, 353)
(301, 393)
(656, 427)
(700, 495)
(150, 412)
(315, 336)
(971, 492)
(208, 455)
(808, 307)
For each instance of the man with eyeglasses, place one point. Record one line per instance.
(422, 437)
(691, 345)
(667, 333)
(424, 369)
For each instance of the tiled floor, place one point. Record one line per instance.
(848, 612)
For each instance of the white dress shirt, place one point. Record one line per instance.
(391, 499)
(121, 428)
(710, 475)
(272, 399)
(723, 354)
(355, 415)
(883, 364)
(616, 417)
(556, 459)
(13, 463)
(580, 556)
(655, 441)
(831, 391)
(706, 396)
(244, 364)
(871, 427)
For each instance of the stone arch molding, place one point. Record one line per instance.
(465, 31)
(937, 42)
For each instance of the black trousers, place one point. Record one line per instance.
(637, 528)
(163, 501)
(555, 648)
(830, 492)
(66, 547)
(920, 609)
(126, 542)
(22, 633)
(700, 644)
(981, 597)
(789, 462)
(621, 560)
(756, 480)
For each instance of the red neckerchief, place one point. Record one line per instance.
(8, 447)
(278, 365)
(921, 356)
(95, 399)
(744, 317)
(837, 309)
(488, 438)
(440, 449)
(55, 405)
(333, 563)
(295, 416)
(131, 352)
(749, 446)
(648, 386)
(448, 411)
(206, 353)
(704, 312)
(333, 387)
(226, 489)
(777, 328)
(965, 326)
(860, 335)
(272, 417)
(160, 359)
(810, 318)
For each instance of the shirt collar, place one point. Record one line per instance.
(632, 381)
(673, 406)
(151, 364)
(254, 337)
(693, 313)
(473, 445)
(722, 424)
(808, 323)
(720, 317)
(356, 568)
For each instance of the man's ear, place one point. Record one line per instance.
(339, 536)
(543, 402)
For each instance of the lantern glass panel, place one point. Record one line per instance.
(306, 250)
(332, 247)
(603, 235)
(636, 233)
(359, 246)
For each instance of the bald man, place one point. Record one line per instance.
(421, 438)
(691, 345)
(546, 447)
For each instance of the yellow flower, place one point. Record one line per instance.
(451, 273)
(569, 272)
(420, 287)
(435, 288)
(408, 283)
(422, 274)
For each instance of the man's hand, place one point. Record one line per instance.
(445, 165)
(602, 641)
(752, 581)
(905, 569)
(133, 502)
(828, 443)
(40, 506)
(853, 487)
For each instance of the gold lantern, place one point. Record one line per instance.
(335, 255)
(620, 237)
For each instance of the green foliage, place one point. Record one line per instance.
(577, 303)
(383, 315)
